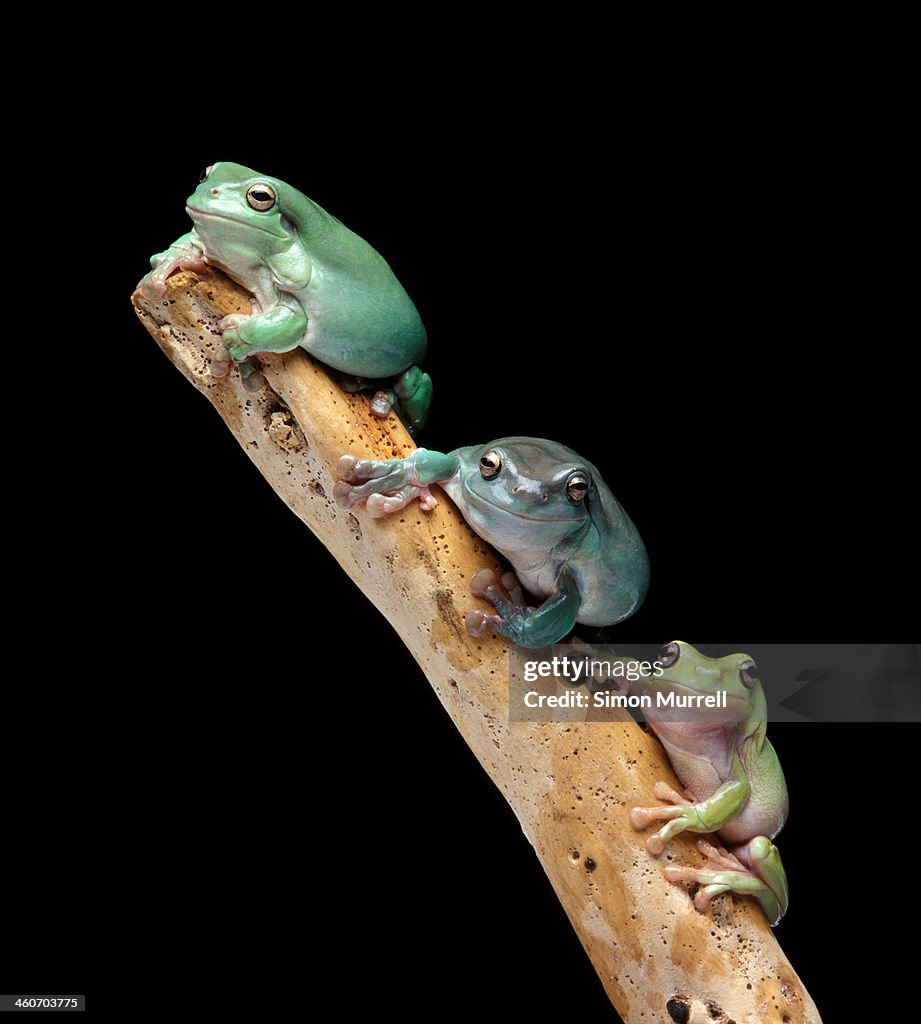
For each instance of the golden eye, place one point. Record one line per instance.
(669, 655)
(260, 197)
(748, 673)
(490, 464)
(577, 488)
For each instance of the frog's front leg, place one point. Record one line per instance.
(755, 869)
(279, 329)
(525, 626)
(682, 816)
(388, 485)
(184, 254)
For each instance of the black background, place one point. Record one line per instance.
(697, 303)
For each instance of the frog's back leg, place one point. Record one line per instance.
(754, 869)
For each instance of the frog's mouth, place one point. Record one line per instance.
(478, 499)
(195, 213)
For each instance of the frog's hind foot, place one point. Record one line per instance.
(382, 403)
(504, 593)
(414, 390)
(724, 872)
(222, 363)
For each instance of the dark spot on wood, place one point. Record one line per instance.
(678, 1011)
(453, 682)
(444, 599)
(590, 865)
(714, 1011)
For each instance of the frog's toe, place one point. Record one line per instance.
(707, 894)
(642, 817)
(346, 467)
(656, 845)
(427, 500)
(220, 361)
(232, 320)
(360, 471)
(380, 505)
(712, 884)
(665, 792)
(343, 494)
(512, 587)
(719, 859)
(153, 287)
(481, 582)
(502, 591)
(195, 264)
(478, 622)
(382, 403)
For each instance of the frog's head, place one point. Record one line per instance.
(235, 205)
(687, 672)
(528, 492)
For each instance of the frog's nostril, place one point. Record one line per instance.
(545, 496)
(515, 489)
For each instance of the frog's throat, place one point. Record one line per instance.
(194, 212)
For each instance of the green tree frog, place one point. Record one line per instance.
(543, 507)
(314, 284)
(731, 773)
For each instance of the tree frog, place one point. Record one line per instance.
(730, 770)
(314, 284)
(542, 506)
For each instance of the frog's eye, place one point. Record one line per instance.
(577, 488)
(260, 197)
(206, 172)
(748, 673)
(669, 655)
(490, 465)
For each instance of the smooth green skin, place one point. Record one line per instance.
(728, 766)
(585, 560)
(314, 284)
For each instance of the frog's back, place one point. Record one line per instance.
(360, 318)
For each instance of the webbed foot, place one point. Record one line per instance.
(504, 591)
(757, 872)
(385, 486)
(414, 390)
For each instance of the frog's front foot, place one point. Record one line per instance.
(760, 874)
(220, 361)
(382, 403)
(230, 349)
(383, 486)
(680, 816)
(238, 350)
(153, 286)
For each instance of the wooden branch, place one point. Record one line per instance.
(571, 784)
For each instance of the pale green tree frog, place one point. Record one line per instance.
(730, 771)
(542, 506)
(314, 284)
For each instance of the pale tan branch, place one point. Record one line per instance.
(570, 784)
